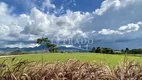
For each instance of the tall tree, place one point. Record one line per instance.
(43, 41)
(46, 43)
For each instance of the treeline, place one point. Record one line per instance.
(102, 50)
(111, 51)
(135, 51)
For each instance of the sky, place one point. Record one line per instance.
(109, 23)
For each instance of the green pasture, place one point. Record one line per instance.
(109, 59)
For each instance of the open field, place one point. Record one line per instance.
(17, 68)
(70, 70)
(109, 59)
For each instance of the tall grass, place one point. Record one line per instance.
(70, 70)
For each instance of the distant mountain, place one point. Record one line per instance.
(24, 49)
(40, 48)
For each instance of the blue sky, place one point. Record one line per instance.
(74, 5)
(109, 23)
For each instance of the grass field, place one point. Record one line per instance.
(109, 59)
(79, 69)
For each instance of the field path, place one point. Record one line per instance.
(7, 56)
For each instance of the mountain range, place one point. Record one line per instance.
(40, 48)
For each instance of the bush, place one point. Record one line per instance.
(102, 50)
(135, 51)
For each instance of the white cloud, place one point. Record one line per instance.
(48, 4)
(130, 27)
(106, 5)
(4, 30)
(66, 25)
(109, 32)
(3, 9)
(113, 4)
(21, 45)
(122, 30)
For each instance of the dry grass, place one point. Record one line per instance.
(70, 70)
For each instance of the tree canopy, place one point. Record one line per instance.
(46, 43)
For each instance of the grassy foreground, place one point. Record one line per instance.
(109, 59)
(86, 66)
(70, 70)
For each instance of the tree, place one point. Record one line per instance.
(110, 51)
(46, 43)
(43, 41)
(107, 50)
(52, 47)
(135, 51)
(98, 50)
(104, 50)
(126, 50)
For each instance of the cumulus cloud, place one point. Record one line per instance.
(106, 5)
(113, 4)
(130, 27)
(109, 32)
(66, 25)
(122, 30)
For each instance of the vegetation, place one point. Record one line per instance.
(46, 43)
(111, 51)
(102, 50)
(70, 70)
(135, 51)
(110, 59)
